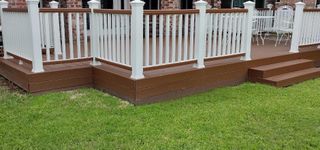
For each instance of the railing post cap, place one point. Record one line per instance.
(200, 3)
(249, 3)
(300, 4)
(3, 2)
(137, 2)
(33, 2)
(94, 4)
(54, 4)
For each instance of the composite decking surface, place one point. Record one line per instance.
(258, 52)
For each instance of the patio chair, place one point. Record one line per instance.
(257, 28)
(283, 23)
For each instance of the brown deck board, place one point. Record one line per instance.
(158, 84)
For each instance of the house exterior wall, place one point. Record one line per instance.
(165, 4)
(309, 3)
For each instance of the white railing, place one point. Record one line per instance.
(310, 31)
(133, 38)
(306, 29)
(18, 36)
(226, 33)
(112, 28)
(169, 37)
(66, 32)
(264, 20)
(21, 34)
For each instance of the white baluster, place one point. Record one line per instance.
(167, 54)
(147, 40)
(85, 35)
(160, 39)
(154, 39)
(180, 38)
(174, 31)
(63, 37)
(185, 36)
(56, 31)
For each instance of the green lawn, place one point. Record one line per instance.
(249, 116)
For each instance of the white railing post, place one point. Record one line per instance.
(318, 6)
(297, 25)
(269, 6)
(3, 4)
(201, 28)
(137, 39)
(94, 4)
(248, 33)
(33, 12)
(56, 30)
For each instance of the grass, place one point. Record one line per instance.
(249, 116)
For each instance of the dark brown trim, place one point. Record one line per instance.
(265, 9)
(190, 62)
(227, 10)
(66, 61)
(15, 9)
(315, 44)
(65, 10)
(224, 57)
(112, 11)
(20, 58)
(311, 10)
(114, 64)
(168, 12)
(169, 65)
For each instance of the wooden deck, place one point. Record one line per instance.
(158, 84)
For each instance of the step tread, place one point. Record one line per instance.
(291, 75)
(281, 65)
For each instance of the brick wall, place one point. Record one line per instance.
(175, 4)
(309, 3)
(17, 3)
(63, 3)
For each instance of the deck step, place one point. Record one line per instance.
(291, 78)
(266, 71)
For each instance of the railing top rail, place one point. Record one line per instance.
(112, 11)
(311, 10)
(266, 9)
(15, 10)
(227, 10)
(65, 10)
(167, 12)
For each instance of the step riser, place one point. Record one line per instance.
(299, 79)
(284, 74)
(290, 81)
(265, 74)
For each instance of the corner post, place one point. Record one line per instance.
(3, 4)
(33, 12)
(94, 4)
(137, 39)
(201, 28)
(56, 30)
(248, 33)
(297, 24)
